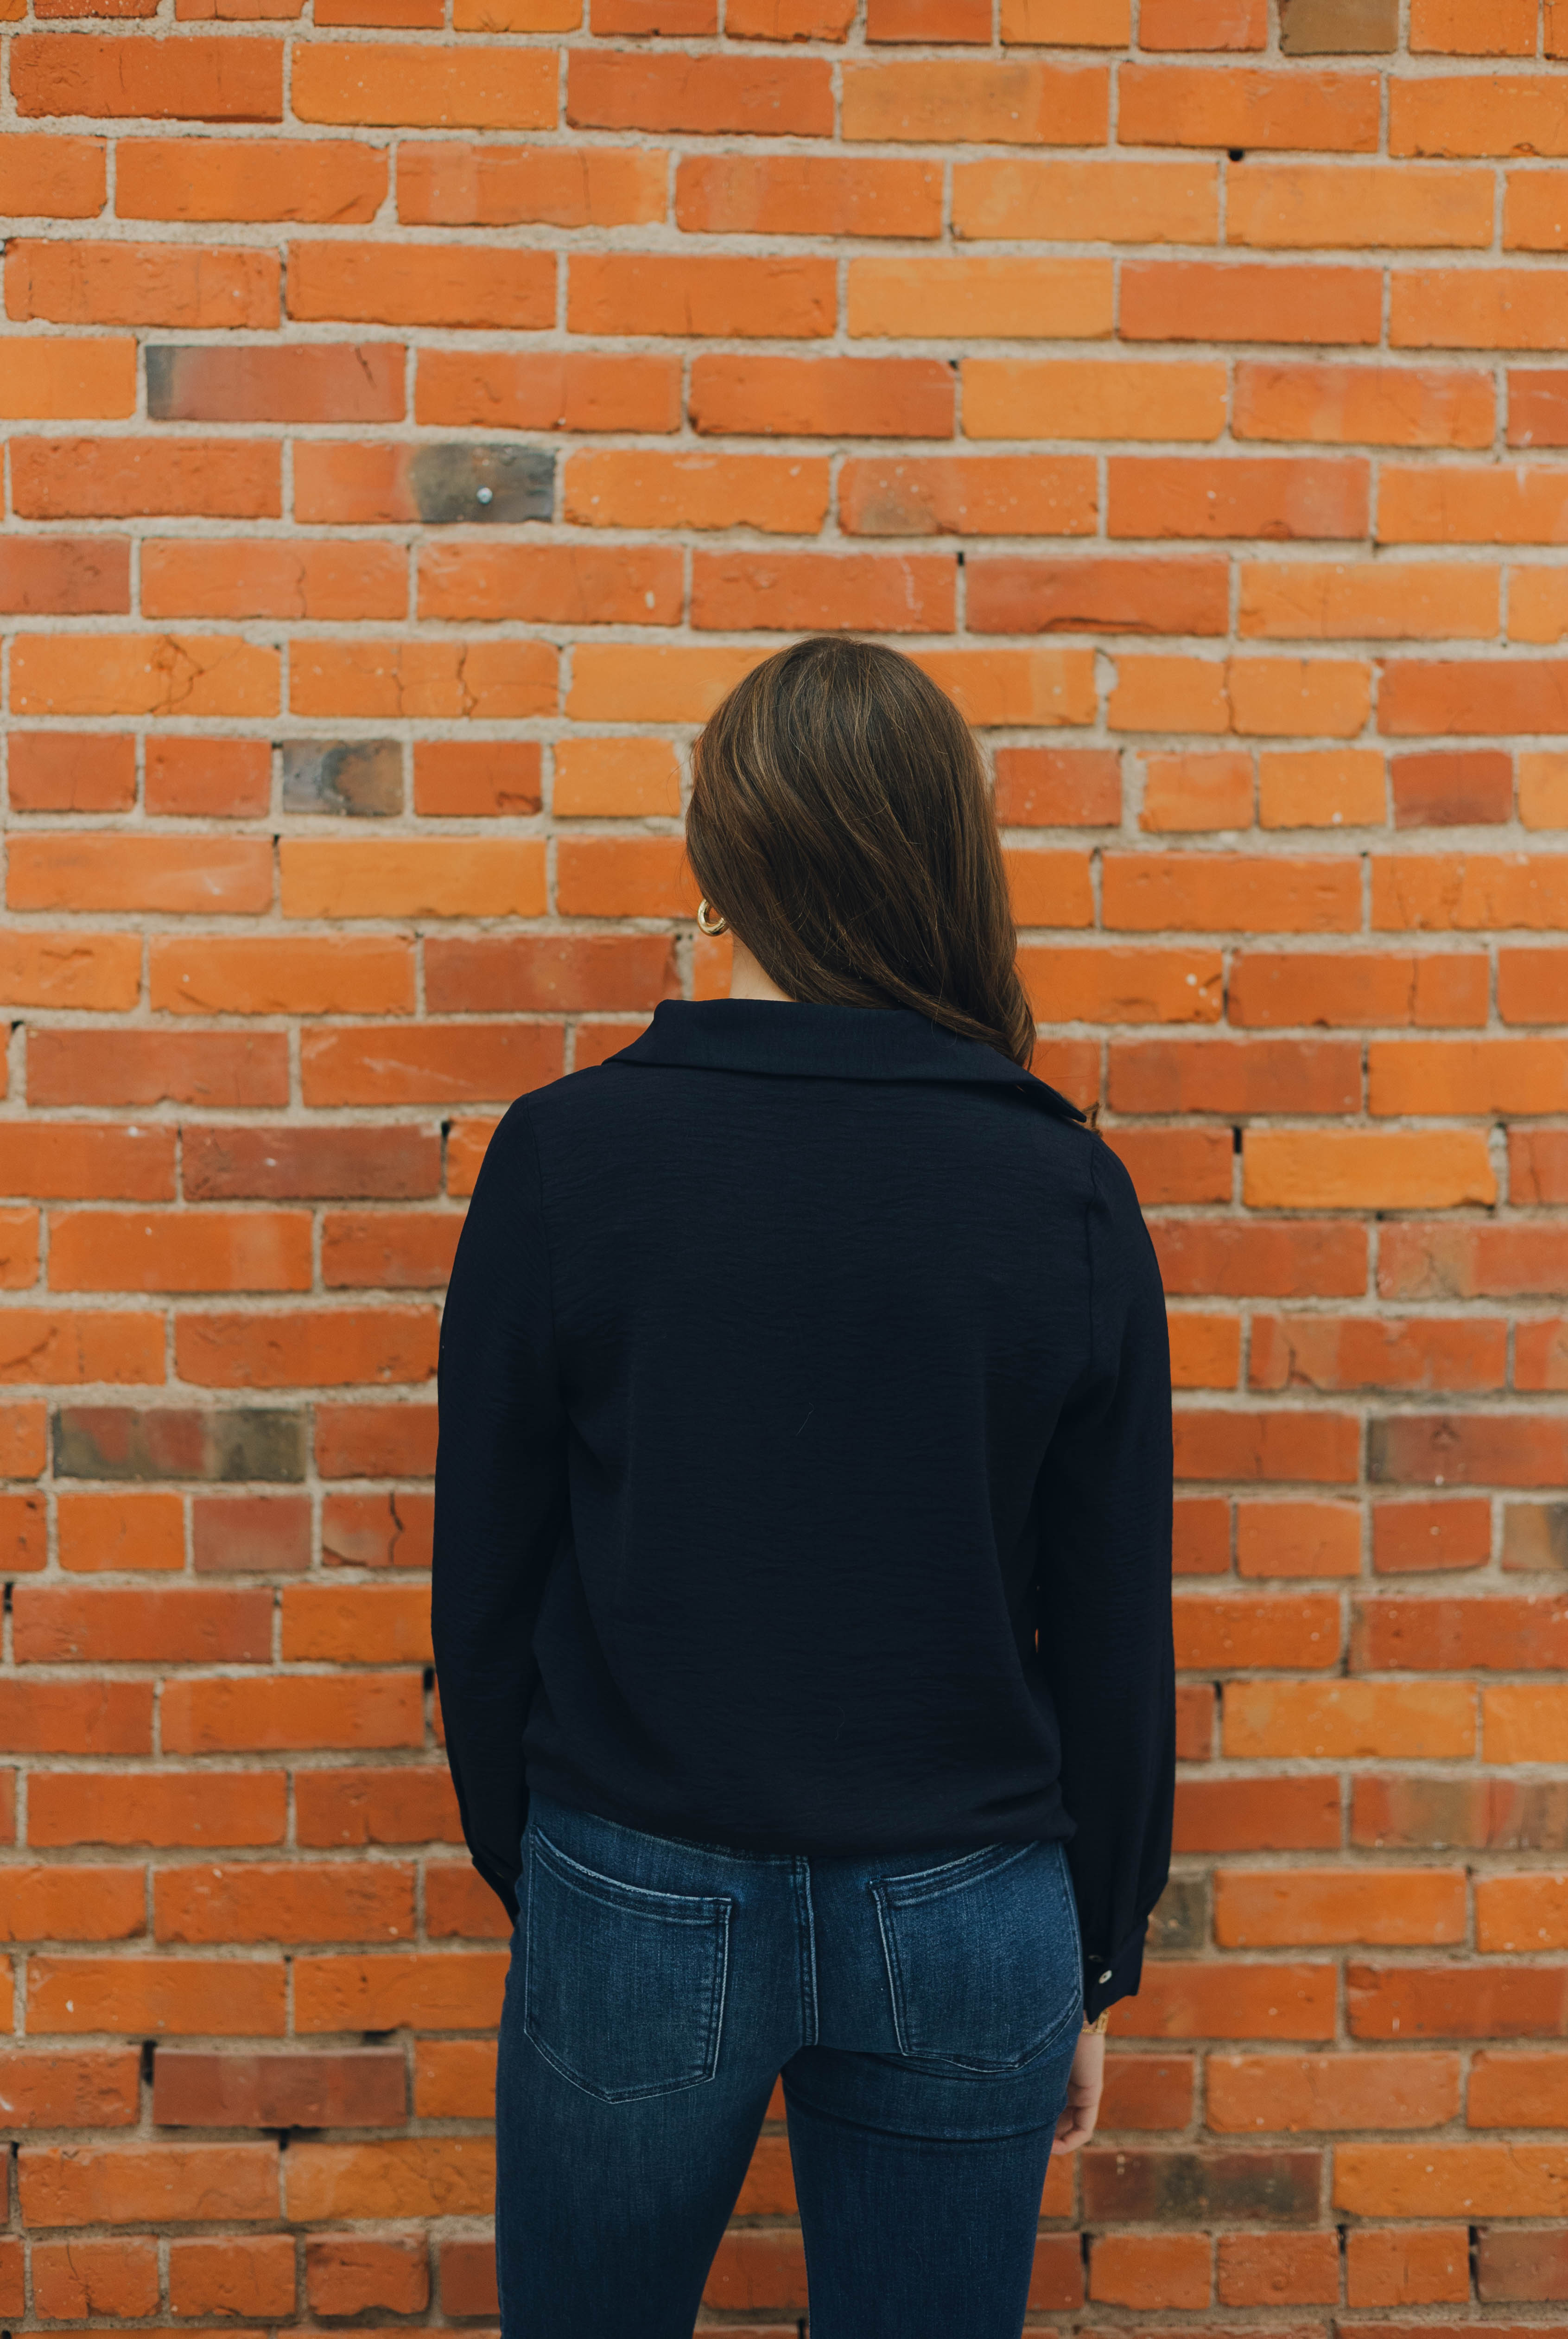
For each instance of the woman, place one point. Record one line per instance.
(802, 1580)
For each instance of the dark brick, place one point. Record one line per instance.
(1182, 2187)
(468, 2278)
(375, 1164)
(123, 1441)
(363, 777)
(1180, 1917)
(64, 575)
(359, 2088)
(236, 1535)
(1322, 28)
(1419, 1815)
(456, 481)
(1460, 789)
(1522, 2265)
(319, 382)
(1535, 1537)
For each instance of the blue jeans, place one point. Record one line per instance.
(924, 2009)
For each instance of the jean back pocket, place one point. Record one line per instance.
(625, 1988)
(982, 1958)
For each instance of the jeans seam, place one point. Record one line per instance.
(805, 1931)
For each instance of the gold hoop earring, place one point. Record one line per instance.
(719, 926)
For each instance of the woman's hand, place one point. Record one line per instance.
(1079, 2113)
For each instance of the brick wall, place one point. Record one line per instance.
(413, 422)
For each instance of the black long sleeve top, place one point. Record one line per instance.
(805, 1474)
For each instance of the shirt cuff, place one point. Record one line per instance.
(1105, 1979)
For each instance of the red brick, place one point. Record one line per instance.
(126, 77)
(211, 779)
(609, 89)
(162, 1809)
(71, 2280)
(1249, 107)
(172, 284)
(371, 1441)
(562, 390)
(294, 1710)
(769, 298)
(364, 1805)
(1253, 496)
(831, 398)
(346, 2274)
(1213, 300)
(1265, 1814)
(44, 176)
(72, 1904)
(1408, 2267)
(328, 180)
(815, 593)
(90, 2087)
(465, 88)
(468, 2275)
(1279, 2269)
(422, 284)
(345, 2087)
(1456, 2002)
(55, 1626)
(126, 2184)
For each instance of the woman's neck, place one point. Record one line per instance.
(748, 979)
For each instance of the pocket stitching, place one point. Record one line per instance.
(958, 2067)
(720, 1909)
(910, 1891)
(702, 1909)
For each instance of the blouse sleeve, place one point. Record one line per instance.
(500, 1495)
(1104, 1607)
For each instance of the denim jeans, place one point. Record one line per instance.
(924, 2009)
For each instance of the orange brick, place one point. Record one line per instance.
(1251, 106)
(422, 283)
(1297, 1538)
(1359, 405)
(334, 179)
(1533, 218)
(487, 681)
(243, 2274)
(1310, 206)
(1178, 24)
(552, 584)
(1105, 202)
(1473, 506)
(1261, 496)
(1011, 104)
(614, 778)
(1355, 1721)
(1408, 2267)
(1178, 1999)
(74, 2279)
(45, 176)
(980, 299)
(609, 89)
(1362, 1169)
(802, 195)
(467, 779)
(1381, 601)
(135, 2183)
(58, 377)
(387, 1344)
(572, 389)
(467, 87)
(175, 285)
(285, 578)
(1282, 1908)
(621, 877)
(1518, 2090)
(1479, 308)
(424, 877)
(39, 969)
(431, 1064)
(1214, 893)
(290, 1711)
(452, 183)
(132, 1529)
(143, 673)
(1091, 399)
(1279, 2269)
(1468, 113)
(804, 592)
(1149, 2270)
(622, 489)
(655, 294)
(157, 1996)
(131, 76)
(1197, 791)
(1316, 787)
(209, 478)
(80, 871)
(812, 398)
(1211, 300)
(1473, 27)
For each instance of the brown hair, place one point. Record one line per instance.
(840, 821)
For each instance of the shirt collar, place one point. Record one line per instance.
(843, 1043)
